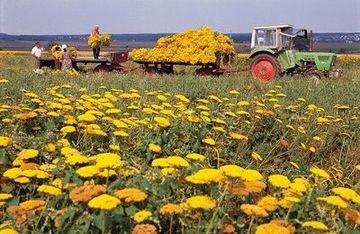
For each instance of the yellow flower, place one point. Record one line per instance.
(254, 210)
(67, 129)
(298, 187)
(22, 180)
(319, 172)
(182, 98)
(315, 225)
(160, 162)
(104, 202)
(141, 216)
(251, 175)
(171, 209)
(232, 170)
(195, 156)
(269, 203)
(208, 140)
(4, 141)
(50, 147)
(154, 148)
(5, 196)
(271, 228)
(8, 231)
(114, 147)
(49, 190)
(106, 173)
(294, 165)
(177, 161)
(347, 194)
(12, 173)
(288, 202)
(87, 171)
(279, 181)
(32, 204)
(237, 136)
(28, 153)
(162, 122)
(86, 118)
(131, 195)
(121, 133)
(205, 176)
(256, 156)
(76, 159)
(312, 149)
(108, 160)
(167, 171)
(200, 202)
(333, 200)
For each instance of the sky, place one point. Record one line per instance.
(153, 16)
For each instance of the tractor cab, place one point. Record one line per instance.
(277, 50)
(279, 37)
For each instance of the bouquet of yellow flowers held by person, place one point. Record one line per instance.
(73, 51)
(94, 41)
(56, 51)
(106, 39)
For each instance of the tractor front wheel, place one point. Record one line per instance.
(314, 76)
(265, 67)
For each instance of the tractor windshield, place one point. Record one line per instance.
(265, 38)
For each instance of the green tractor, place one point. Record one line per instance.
(277, 51)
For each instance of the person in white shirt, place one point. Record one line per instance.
(36, 53)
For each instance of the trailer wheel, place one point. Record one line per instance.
(101, 68)
(203, 71)
(265, 67)
(151, 70)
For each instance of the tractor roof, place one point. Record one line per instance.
(274, 27)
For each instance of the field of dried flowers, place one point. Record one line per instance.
(128, 153)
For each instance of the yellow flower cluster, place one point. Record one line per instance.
(194, 46)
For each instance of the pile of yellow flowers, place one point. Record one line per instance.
(56, 51)
(195, 46)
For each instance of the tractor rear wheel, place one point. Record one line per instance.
(265, 67)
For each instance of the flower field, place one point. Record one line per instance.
(129, 153)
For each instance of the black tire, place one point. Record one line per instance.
(101, 68)
(266, 74)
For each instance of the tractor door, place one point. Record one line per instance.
(286, 59)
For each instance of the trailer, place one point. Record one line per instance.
(115, 63)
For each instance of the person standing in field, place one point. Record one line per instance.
(66, 62)
(96, 34)
(36, 53)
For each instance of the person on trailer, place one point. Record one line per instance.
(36, 53)
(96, 33)
(66, 62)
